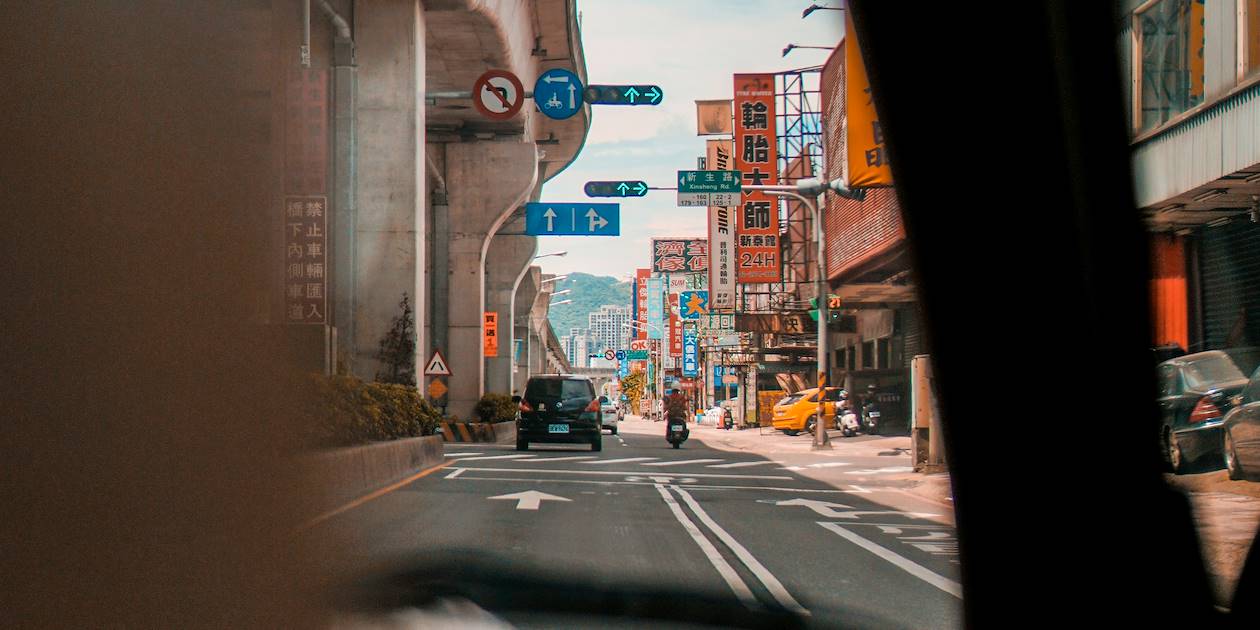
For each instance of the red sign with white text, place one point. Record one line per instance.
(757, 158)
(640, 283)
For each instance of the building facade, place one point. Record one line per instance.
(608, 326)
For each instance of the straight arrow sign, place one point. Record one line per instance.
(551, 219)
(528, 500)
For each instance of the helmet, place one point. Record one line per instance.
(870, 388)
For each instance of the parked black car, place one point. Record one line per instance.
(1196, 391)
(559, 408)
(1241, 428)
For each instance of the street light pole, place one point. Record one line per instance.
(803, 190)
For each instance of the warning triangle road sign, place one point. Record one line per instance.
(437, 365)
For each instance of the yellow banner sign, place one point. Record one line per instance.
(868, 157)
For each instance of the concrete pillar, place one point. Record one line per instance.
(485, 182)
(522, 306)
(507, 262)
(390, 224)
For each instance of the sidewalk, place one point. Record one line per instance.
(1227, 515)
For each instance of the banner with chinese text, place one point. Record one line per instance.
(721, 234)
(867, 157)
(641, 302)
(306, 260)
(655, 307)
(490, 334)
(756, 158)
(675, 327)
(680, 254)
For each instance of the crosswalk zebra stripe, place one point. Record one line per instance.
(475, 459)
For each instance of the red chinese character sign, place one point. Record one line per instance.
(640, 280)
(756, 157)
(306, 260)
(680, 255)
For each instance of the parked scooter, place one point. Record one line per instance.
(848, 422)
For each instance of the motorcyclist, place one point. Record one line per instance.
(676, 411)
(871, 406)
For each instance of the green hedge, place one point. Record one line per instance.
(496, 408)
(346, 411)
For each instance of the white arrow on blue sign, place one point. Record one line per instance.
(572, 219)
(558, 93)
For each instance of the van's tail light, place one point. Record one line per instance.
(594, 406)
(525, 406)
(1205, 410)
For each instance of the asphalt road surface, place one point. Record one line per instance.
(641, 512)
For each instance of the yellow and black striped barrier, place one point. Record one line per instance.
(467, 431)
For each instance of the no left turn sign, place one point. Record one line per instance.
(498, 94)
(610, 355)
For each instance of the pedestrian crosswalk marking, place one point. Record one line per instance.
(462, 454)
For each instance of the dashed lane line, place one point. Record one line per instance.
(478, 459)
(561, 459)
(454, 455)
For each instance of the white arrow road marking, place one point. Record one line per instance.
(596, 220)
(827, 509)
(763, 574)
(723, 567)
(907, 565)
(684, 461)
(529, 500)
(477, 459)
(741, 464)
(622, 460)
(551, 219)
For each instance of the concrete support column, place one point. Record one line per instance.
(389, 226)
(485, 182)
(507, 262)
(522, 305)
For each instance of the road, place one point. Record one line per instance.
(699, 517)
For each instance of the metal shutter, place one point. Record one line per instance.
(1230, 267)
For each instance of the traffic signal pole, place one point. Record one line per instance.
(807, 192)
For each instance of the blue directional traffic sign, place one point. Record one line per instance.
(572, 219)
(558, 93)
(621, 355)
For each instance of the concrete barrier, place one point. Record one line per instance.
(477, 431)
(352, 472)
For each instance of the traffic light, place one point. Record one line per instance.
(623, 94)
(623, 188)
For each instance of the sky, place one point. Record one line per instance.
(690, 48)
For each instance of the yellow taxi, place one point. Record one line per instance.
(798, 412)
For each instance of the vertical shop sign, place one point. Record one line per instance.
(721, 233)
(306, 260)
(691, 353)
(641, 309)
(675, 327)
(655, 307)
(490, 334)
(756, 158)
(867, 155)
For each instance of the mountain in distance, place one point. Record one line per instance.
(588, 293)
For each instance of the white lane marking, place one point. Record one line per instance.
(452, 455)
(909, 566)
(763, 574)
(723, 567)
(741, 464)
(623, 460)
(561, 459)
(881, 471)
(681, 462)
(477, 459)
(455, 473)
(624, 473)
(650, 483)
(529, 499)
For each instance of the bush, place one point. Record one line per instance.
(496, 408)
(345, 411)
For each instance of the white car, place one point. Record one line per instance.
(608, 414)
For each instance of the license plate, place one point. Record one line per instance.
(557, 428)
(874, 414)
(675, 427)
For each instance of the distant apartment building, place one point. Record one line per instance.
(577, 346)
(608, 327)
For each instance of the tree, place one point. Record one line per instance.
(632, 387)
(397, 352)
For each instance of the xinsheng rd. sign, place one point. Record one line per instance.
(708, 188)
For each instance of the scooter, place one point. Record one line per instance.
(677, 432)
(871, 418)
(848, 423)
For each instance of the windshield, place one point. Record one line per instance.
(397, 250)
